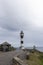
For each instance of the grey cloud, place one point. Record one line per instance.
(16, 16)
(13, 20)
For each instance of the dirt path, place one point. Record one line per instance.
(6, 58)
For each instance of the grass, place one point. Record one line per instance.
(35, 58)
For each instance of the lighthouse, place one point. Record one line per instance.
(21, 40)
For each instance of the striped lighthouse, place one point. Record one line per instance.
(21, 39)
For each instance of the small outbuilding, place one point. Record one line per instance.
(5, 46)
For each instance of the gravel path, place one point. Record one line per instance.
(6, 58)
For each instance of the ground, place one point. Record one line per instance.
(35, 58)
(6, 57)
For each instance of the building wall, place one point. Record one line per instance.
(5, 48)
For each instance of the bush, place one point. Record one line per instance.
(12, 48)
(41, 57)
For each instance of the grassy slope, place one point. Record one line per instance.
(35, 58)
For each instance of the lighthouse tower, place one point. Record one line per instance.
(21, 40)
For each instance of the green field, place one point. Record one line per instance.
(35, 58)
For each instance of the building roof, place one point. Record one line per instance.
(5, 43)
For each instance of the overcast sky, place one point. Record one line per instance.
(17, 15)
